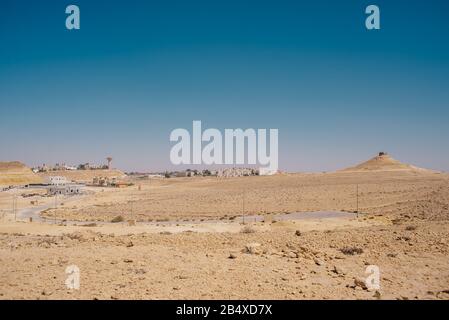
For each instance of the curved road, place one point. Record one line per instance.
(34, 212)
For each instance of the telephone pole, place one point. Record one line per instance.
(56, 205)
(243, 208)
(14, 205)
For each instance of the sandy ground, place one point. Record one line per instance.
(403, 229)
(208, 198)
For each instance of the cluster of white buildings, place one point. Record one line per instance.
(60, 185)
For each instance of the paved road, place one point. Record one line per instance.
(301, 216)
(34, 212)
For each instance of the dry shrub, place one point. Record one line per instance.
(247, 229)
(75, 236)
(252, 248)
(118, 219)
(351, 250)
(93, 224)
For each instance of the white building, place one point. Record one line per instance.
(57, 180)
(67, 189)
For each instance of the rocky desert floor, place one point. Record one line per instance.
(185, 239)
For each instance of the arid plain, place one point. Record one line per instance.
(213, 238)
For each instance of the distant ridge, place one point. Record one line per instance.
(383, 162)
(16, 173)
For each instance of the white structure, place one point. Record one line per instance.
(57, 181)
(60, 185)
(65, 189)
(155, 175)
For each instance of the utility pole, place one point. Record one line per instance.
(56, 204)
(14, 205)
(243, 209)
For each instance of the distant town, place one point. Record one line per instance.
(225, 172)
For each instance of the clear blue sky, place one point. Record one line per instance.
(138, 69)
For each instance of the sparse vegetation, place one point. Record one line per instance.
(118, 219)
(89, 225)
(247, 229)
(350, 251)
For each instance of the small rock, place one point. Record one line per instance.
(127, 260)
(298, 233)
(318, 262)
(232, 256)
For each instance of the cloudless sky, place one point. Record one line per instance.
(136, 70)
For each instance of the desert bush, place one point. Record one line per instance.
(351, 250)
(75, 236)
(252, 248)
(247, 229)
(93, 224)
(118, 219)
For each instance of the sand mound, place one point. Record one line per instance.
(383, 162)
(16, 173)
(84, 175)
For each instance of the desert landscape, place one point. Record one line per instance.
(285, 236)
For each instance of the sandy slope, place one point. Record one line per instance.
(384, 162)
(16, 173)
(206, 198)
(413, 264)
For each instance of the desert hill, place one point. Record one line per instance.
(384, 162)
(83, 175)
(16, 173)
